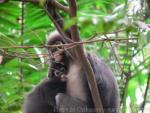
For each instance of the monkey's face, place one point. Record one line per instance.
(57, 53)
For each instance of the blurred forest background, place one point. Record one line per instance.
(127, 22)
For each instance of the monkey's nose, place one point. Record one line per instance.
(63, 78)
(57, 56)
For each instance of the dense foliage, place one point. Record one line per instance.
(26, 24)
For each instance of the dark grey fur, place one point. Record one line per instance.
(78, 98)
(42, 98)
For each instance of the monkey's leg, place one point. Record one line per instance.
(68, 104)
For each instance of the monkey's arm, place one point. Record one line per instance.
(107, 85)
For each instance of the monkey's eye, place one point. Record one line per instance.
(59, 43)
(53, 49)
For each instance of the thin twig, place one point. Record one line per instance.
(21, 55)
(146, 91)
(113, 51)
(70, 44)
(60, 6)
(113, 32)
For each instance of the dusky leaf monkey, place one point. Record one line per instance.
(66, 89)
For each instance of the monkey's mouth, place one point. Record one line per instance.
(57, 56)
(56, 53)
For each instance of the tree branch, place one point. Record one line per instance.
(55, 2)
(85, 63)
(32, 1)
(57, 20)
